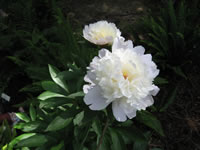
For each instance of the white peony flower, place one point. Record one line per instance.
(123, 77)
(101, 33)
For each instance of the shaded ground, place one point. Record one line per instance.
(181, 122)
(122, 12)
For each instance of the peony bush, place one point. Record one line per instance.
(118, 84)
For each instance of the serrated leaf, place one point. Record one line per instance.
(151, 121)
(47, 94)
(59, 81)
(23, 116)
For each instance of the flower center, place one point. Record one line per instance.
(129, 72)
(125, 76)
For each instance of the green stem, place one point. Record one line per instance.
(104, 131)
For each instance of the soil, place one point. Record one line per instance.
(122, 12)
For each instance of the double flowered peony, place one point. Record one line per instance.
(101, 33)
(123, 78)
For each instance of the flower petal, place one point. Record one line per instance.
(101, 32)
(139, 50)
(132, 114)
(149, 100)
(118, 112)
(102, 52)
(95, 99)
(155, 91)
(120, 43)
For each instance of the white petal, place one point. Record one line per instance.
(102, 52)
(139, 50)
(101, 32)
(148, 100)
(95, 99)
(120, 43)
(132, 114)
(147, 59)
(155, 91)
(118, 112)
(86, 88)
(90, 76)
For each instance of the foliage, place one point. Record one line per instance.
(37, 43)
(60, 119)
(7, 133)
(172, 36)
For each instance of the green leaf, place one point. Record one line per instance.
(36, 140)
(78, 119)
(151, 121)
(19, 138)
(32, 112)
(62, 120)
(25, 148)
(142, 145)
(47, 94)
(97, 126)
(159, 80)
(131, 134)
(55, 102)
(30, 126)
(106, 143)
(52, 87)
(60, 146)
(179, 72)
(34, 87)
(117, 140)
(77, 94)
(80, 134)
(156, 149)
(58, 123)
(170, 99)
(23, 116)
(59, 81)
(67, 75)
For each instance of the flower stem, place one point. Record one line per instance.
(104, 131)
